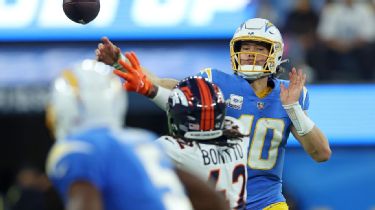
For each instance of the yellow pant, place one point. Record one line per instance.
(277, 206)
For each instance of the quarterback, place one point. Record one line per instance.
(270, 108)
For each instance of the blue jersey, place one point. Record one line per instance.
(269, 127)
(127, 168)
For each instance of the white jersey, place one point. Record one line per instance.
(225, 165)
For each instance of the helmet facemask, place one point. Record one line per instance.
(263, 33)
(262, 65)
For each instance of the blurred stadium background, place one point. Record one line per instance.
(176, 38)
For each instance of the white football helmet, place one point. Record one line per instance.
(90, 95)
(262, 31)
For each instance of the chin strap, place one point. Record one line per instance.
(251, 79)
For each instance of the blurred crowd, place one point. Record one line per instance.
(331, 40)
(31, 190)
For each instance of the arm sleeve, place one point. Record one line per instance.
(161, 98)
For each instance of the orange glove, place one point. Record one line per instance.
(136, 80)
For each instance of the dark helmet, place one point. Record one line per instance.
(196, 110)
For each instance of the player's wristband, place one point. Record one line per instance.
(161, 97)
(116, 65)
(300, 120)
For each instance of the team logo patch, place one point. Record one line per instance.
(235, 101)
(260, 105)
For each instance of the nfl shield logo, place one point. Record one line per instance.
(260, 105)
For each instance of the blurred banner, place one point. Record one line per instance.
(35, 63)
(344, 112)
(44, 20)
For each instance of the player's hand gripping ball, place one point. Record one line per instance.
(81, 11)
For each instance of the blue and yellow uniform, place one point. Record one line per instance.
(269, 127)
(129, 170)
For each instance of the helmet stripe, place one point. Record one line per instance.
(204, 104)
(72, 80)
(207, 115)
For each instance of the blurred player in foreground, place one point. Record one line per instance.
(270, 108)
(97, 165)
(203, 141)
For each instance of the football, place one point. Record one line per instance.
(81, 11)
